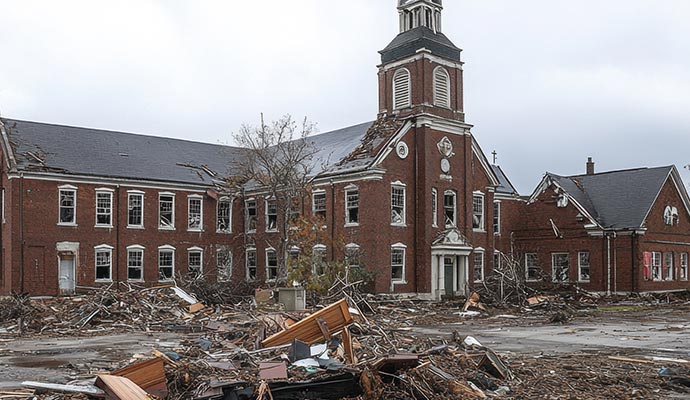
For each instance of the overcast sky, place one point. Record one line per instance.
(547, 82)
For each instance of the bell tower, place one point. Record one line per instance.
(421, 69)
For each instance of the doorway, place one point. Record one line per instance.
(67, 274)
(449, 266)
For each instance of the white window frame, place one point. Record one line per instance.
(319, 253)
(103, 248)
(399, 247)
(353, 251)
(438, 100)
(268, 278)
(434, 207)
(670, 270)
(535, 267)
(267, 216)
(172, 222)
(497, 260)
(109, 193)
(479, 254)
(497, 218)
(224, 272)
(554, 278)
(3, 206)
(135, 249)
(171, 249)
(194, 198)
(73, 190)
(246, 215)
(482, 223)
(657, 266)
(247, 266)
(683, 267)
(454, 195)
(200, 252)
(406, 101)
(349, 189)
(580, 265)
(131, 194)
(399, 186)
(230, 202)
(314, 211)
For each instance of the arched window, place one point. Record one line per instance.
(441, 87)
(402, 89)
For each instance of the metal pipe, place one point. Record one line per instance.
(21, 232)
(608, 258)
(117, 236)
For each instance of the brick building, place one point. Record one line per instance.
(412, 194)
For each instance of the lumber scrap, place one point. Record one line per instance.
(120, 388)
(148, 375)
(336, 317)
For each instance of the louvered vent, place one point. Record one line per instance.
(401, 89)
(441, 88)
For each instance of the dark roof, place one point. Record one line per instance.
(505, 187)
(407, 43)
(617, 199)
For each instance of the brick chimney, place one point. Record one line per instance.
(590, 166)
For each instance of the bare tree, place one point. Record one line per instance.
(280, 164)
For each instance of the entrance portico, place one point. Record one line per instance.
(450, 264)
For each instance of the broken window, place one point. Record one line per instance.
(250, 215)
(671, 216)
(319, 260)
(166, 264)
(194, 213)
(68, 206)
(319, 205)
(478, 212)
(352, 255)
(135, 210)
(195, 262)
(352, 206)
(531, 267)
(398, 205)
(224, 263)
(583, 266)
(560, 267)
(271, 265)
(497, 260)
(104, 209)
(449, 209)
(135, 264)
(434, 207)
(478, 267)
(668, 267)
(497, 218)
(271, 215)
(656, 266)
(684, 266)
(104, 264)
(251, 264)
(224, 214)
(166, 211)
(398, 264)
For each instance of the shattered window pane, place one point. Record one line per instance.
(398, 206)
(352, 213)
(135, 265)
(449, 209)
(194, 263)
(166, 265)
(135, 211)
(271, 215)
(397, 264)
(103, 265)
(478, 212)
(250, 215)
(561, 267)
(531, 266)
(684, 266)
(434, 206)
(251, 264)
(104, 202)
(497, 218)
(584, 266)
(224, 209)
(166, 206)
(478, 267)
(668, 266)
(67, 206)
(224, 263)
(194, 214)
(271, 265)
(656, 266)
(319, 205)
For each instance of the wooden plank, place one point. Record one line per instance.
(90, 390)
(119, 387)
(148, 375)
(633, 360)
(337, 316)
(350, 356)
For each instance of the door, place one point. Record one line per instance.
(449, 275)
(67, 282)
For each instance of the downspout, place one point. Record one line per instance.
(21, 232)
(615, 264)
(633, 259)
(333, 219)
(608, 260)
(416, 210)
(117, 236)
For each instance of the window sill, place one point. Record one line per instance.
(199, 230)
(103, 281)
(533, 280)
(104, 226)
(272, 231)
(497, 234)
(166, 228)
(482, 281)
(135, 280)
(478, 230)
(223, 232)
(250, 231)
(399, 225)
(67, 224)
(166, 280)
(584, 281)
(399, 282)
(352, 225)
(140, 227)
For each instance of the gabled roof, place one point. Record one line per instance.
(407, 43)
(617, 199)
(505, 186)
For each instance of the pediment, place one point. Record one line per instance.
(451, 237)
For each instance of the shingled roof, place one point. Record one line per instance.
(407, 43)
(618, 199)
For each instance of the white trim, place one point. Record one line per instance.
(493, 224)
(536, 267)
(132, 249)
(419, 56)
(482, 160)
(109, 192)
(403, 248)
(390, 146)
(91, 180)
(399, 245)
(436, 101)
(327, 179)
(348, 189)
(246, 263)
(231, 201)
(579, 267)
(267, 266)
(130, 194)
(482, 227)
(266, 215)
(454, 194)
(105, 189)
(172, 222)
(400, 73)
(476, 253)
(133, 191)
(399, 185)
(352, 246)
(434, 207)
(136, 247)
(67, 188)
(200, 199)
(196, 250)
(165, 248)
(103, 248)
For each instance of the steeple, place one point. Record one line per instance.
(415, 13)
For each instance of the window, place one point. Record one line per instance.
(397, 205)
(497, 218)
(398, 263)
(671, 216)
(135, 209)
(684, 266)
(434, 207)
(68, 206)
(195, 257)
(166, 263)
(449, 209)
(295, 213)
(319, 259)
(135, 263)
(251, 264)
(352, 206)
(656, 266)
(224, 215)
(224, 263)
(250, 215)
(531, 267)
(478, 211)
(441, 88)
(271, 215)
(271, 265)
(352, 255)
(583, 266)
(104, 208)
(560, 263)
(104, 263)
(402, 89)
(497, 260)
(668, 267)
(319, 205)
(166, 211)
(478, 267)
(195, 213)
